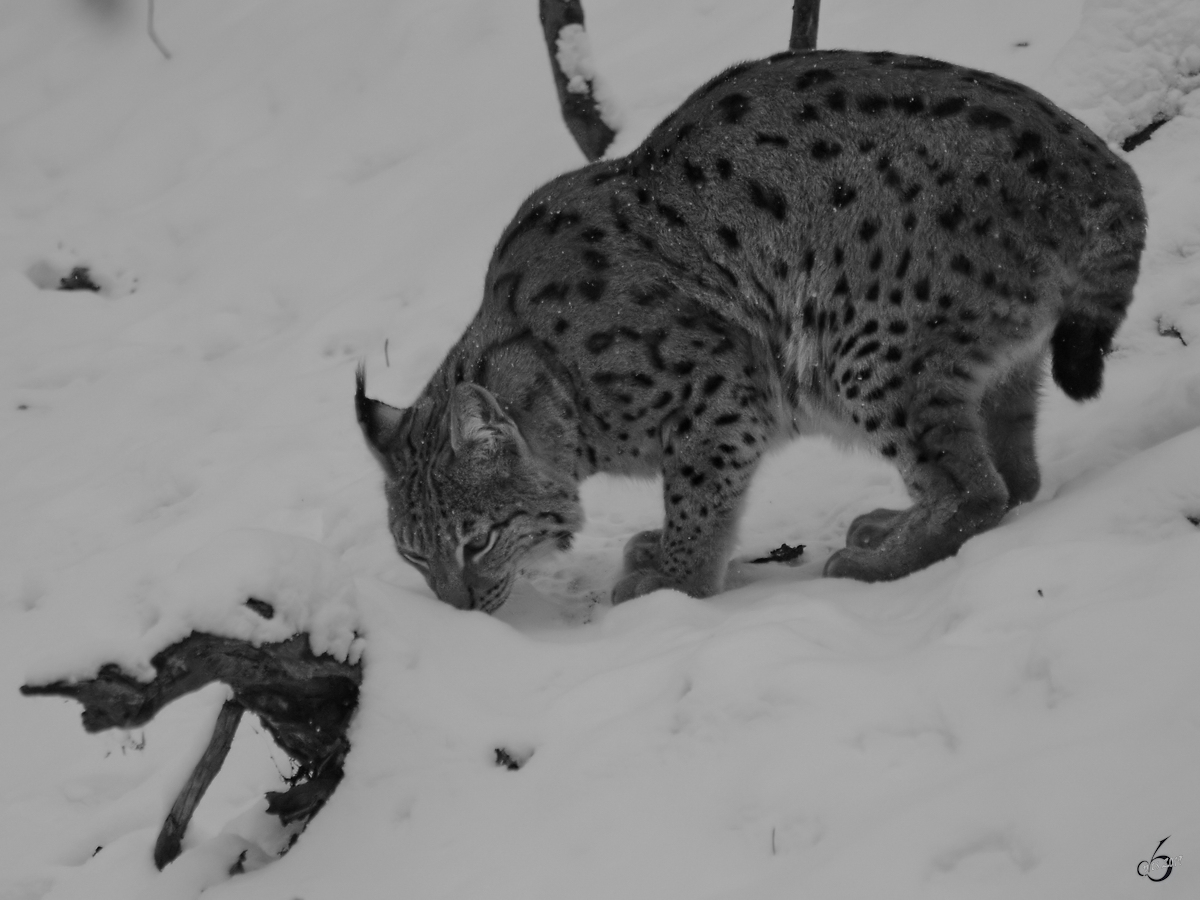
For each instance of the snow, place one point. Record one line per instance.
(305, 183)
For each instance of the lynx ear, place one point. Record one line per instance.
(476, 419)
(379, 422)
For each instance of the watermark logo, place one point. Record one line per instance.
(1159, 866)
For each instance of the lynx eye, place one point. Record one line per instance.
(479, 547)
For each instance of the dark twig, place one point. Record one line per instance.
(804, 24)
(154, 34)
(171, 837)
(304, 701)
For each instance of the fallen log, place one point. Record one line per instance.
(304, 701)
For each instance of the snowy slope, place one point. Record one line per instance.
(305, 184)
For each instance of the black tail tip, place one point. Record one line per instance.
(1078, 349)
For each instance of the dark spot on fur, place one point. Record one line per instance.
(555, 290)
(773, 140)
(948, 107)
(727, 419)
(724, 168)
(959, 263)
(842, 195)
(769, 198)
(908, 103)
(728, 237)
(734, 107)
(905, 260)
(991, 119)
(824, 150)
(876, 260)
(952, 217)
(868, 229)
(592, 288)
(842, 287)
(836, 100)
(872, 293)
(671, 214)
(807, 113)
(1038, 168)
(872, 104)
(595, 260)
(921, 288)
(560, 220)
(814, 77)
(693, 173)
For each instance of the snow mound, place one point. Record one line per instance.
(248, 584)
(1131, 63)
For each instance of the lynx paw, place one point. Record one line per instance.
(642, 551)
(869, 530)
(636, 583)
(861, 565)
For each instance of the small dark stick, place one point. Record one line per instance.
(784, 553)
(166, 849)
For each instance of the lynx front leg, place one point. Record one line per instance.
(704, 484)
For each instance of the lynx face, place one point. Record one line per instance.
(467, 501)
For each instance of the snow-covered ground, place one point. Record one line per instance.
(306, 183)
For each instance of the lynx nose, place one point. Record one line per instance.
(467, 590)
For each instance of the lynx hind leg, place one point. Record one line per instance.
(1009, 411)
(944, 457)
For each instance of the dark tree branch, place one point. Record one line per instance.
(804, 24)
(170, 839)
(304, 701)
(579, 108)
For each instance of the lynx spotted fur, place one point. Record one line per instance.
(881, 247)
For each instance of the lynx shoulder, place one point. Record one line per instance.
(878, 246)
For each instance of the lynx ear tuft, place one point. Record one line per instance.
(476, 420)
(380, 423)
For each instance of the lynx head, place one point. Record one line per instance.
(467, 498)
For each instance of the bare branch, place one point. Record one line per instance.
(304, 701)
(576, 92)
(170, 839)
(154, 34)
(804, 24)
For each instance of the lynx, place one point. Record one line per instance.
(879, 247)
